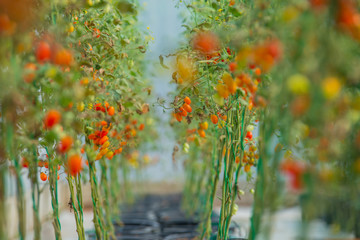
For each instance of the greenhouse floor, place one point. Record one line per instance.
(285, 227)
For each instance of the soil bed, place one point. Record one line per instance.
(159, 217)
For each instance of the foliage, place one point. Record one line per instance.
(286, 68)
(74, 94)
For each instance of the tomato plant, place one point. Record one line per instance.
(74, 77)
(266, 65)
(270, 87)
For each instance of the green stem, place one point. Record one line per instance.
(224, 187)
(237, 174)
(35, 194)
(114, 188)
(80, 200)
(19, 184)
(97, 210)
(54, 196)
(20, 201)
(258, 207)
(77, 209)
(214, 181)
(106, 189)
(234, 138)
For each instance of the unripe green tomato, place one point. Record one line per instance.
(249, 128)
(90, 153)
(68, 118)
(131, 63)
(149, 121)
(107, 8)
(78, 142)
(72, 152)
(51, 72)
(186, 147)
(59, 131)
(234, 210)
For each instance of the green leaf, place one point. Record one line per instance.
(186, 26)
(243, 102)
(235, 12)
(205, 61)
(118, 92)
(214, 5)
(196, 91)
(100, 4)
(161, 58)
(110, 75)
(128, 104)
(218, 99)
(49, 138)
(204, 25)
(125, 7)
